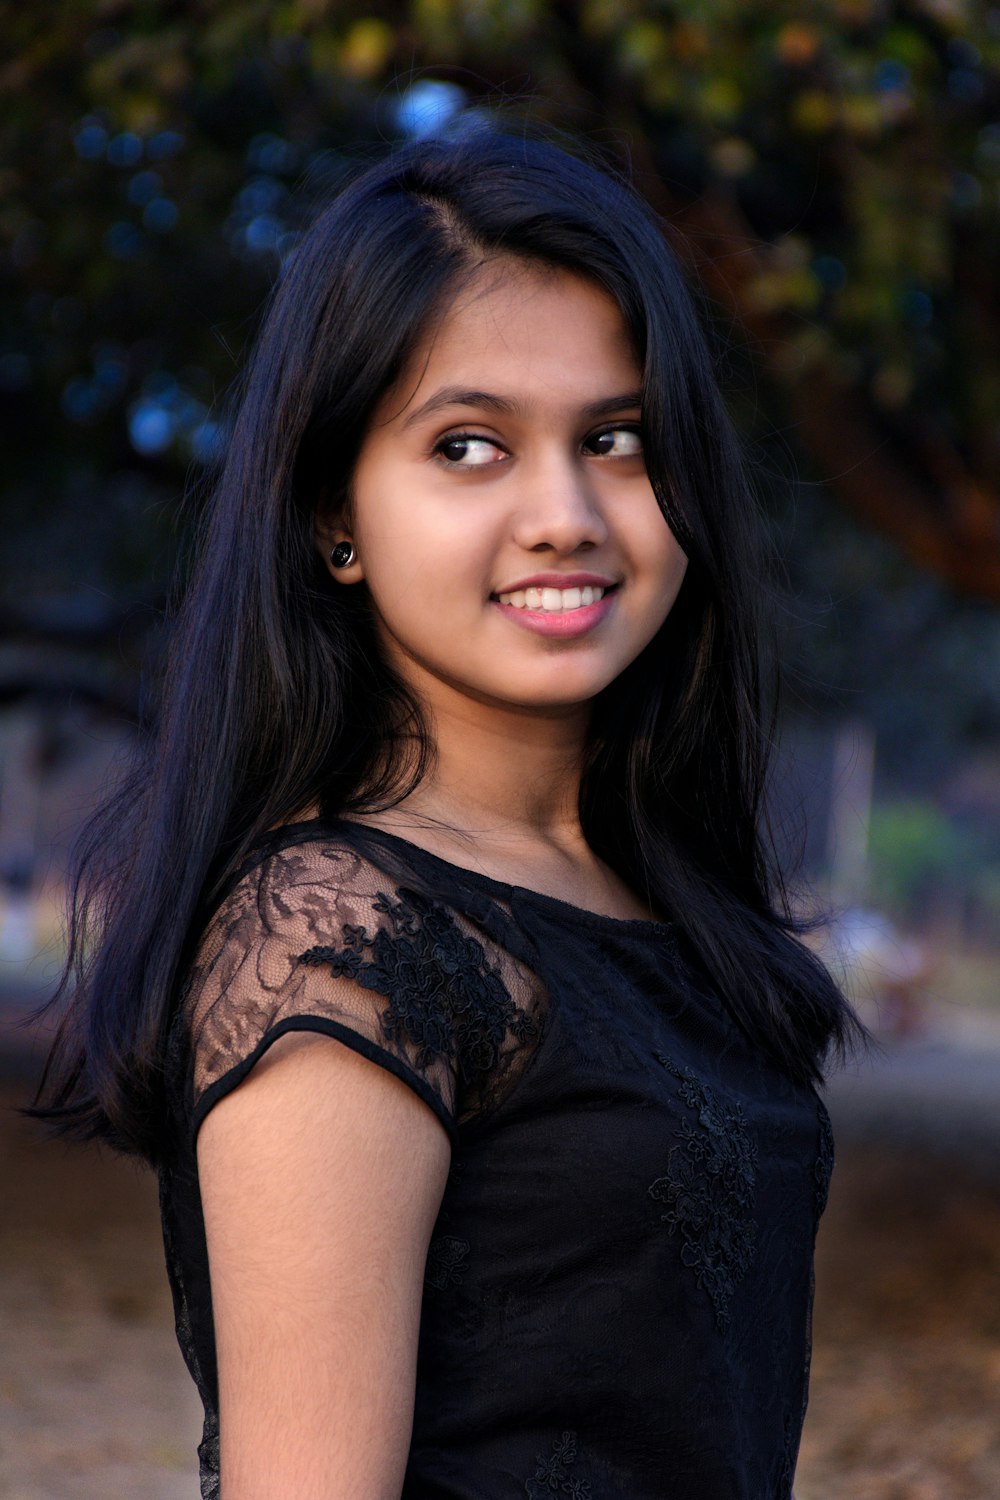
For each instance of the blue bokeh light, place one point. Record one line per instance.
(123, 240)
(151, 426)
(271, 154)
(892, 76)
(160, 216)
(428, 108)
(263, 233)
(966, 85)
(144, 187)
(81, 399)
(207, 441)
(163, 144)
(90, 141)
(125, 149)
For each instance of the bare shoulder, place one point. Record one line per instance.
(321, 1179)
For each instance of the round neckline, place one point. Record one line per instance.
(648, 924)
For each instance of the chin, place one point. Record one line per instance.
(565, 696)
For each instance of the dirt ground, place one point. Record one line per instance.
(905, 1400)
(95, 1403)
(94, 1399)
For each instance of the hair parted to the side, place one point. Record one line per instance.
(277, 698)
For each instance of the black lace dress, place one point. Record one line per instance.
(618, 1287)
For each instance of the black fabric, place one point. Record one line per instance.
(618, 1287)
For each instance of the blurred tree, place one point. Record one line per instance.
(833, 173)
(918, 855)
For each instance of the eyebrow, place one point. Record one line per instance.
(457, 396)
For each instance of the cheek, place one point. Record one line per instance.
(675, 566)
(669, 585)
(666, 561)
(425, 581)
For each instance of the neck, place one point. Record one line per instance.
(503, 775)
(502, 797)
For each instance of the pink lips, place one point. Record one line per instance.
(563, 624)
(559, 581)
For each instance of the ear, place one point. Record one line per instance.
(328, 531)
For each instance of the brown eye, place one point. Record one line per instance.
(616, 442)
(467, 451)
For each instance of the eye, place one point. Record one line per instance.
(616, 442)
(468, 450)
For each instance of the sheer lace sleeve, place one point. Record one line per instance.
(317, 938)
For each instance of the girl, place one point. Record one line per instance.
(439, 970)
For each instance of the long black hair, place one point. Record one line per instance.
(276, 697)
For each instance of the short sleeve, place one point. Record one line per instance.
(317, 938)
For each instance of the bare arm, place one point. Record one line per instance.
(321, 1179)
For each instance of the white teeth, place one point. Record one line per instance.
(553, 601)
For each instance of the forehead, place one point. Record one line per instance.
(533, 332)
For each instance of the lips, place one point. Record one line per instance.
(559, 613)
(554, 580)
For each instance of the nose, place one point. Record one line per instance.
(559, 508)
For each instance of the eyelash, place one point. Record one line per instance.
(479, 437)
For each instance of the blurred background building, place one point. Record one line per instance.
(830, 176)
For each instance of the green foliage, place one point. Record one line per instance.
(917, 853)
(869, 132)
(859, 138)
(158, 160)
(148, 200)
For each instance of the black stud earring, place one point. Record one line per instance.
(343, 555)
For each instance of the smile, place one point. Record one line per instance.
(559, 614)
(553, 601)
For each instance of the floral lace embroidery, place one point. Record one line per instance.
(420, 945)
(709, 1190)
(551, 1477)
(446, 1257)
(824, 1161)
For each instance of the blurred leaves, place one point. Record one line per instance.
(868, 134)
(834, 172)
(919, 856)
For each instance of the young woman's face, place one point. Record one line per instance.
(500, 509)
